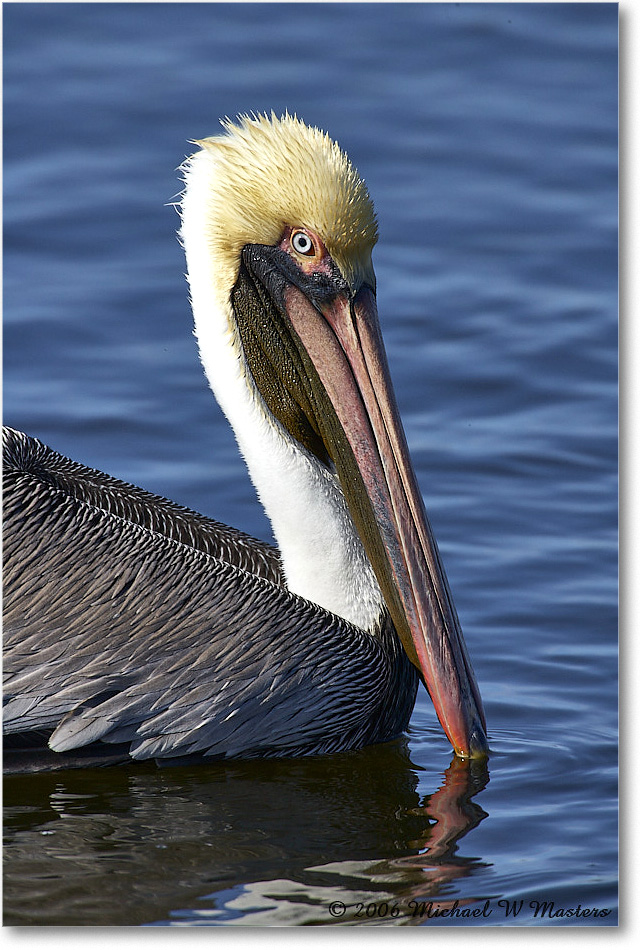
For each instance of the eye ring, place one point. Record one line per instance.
(302, 243)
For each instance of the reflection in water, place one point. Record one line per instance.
(141, 845)
(454, 815)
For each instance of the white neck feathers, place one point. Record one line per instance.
(322, 554)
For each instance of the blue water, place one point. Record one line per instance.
(487, 134)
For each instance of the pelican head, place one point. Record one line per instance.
(278, 230)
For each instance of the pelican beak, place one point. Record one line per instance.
(350, 396)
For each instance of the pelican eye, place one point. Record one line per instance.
(302, 243)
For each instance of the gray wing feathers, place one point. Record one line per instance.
(117, 632)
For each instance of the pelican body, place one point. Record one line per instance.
(136, 627)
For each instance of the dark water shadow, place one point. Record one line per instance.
(277, 840)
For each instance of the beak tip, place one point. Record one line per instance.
(477, 745)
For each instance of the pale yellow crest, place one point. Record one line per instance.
(268, 172)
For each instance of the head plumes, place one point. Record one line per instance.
(268, 172)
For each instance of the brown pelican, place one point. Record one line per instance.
(134, 623)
